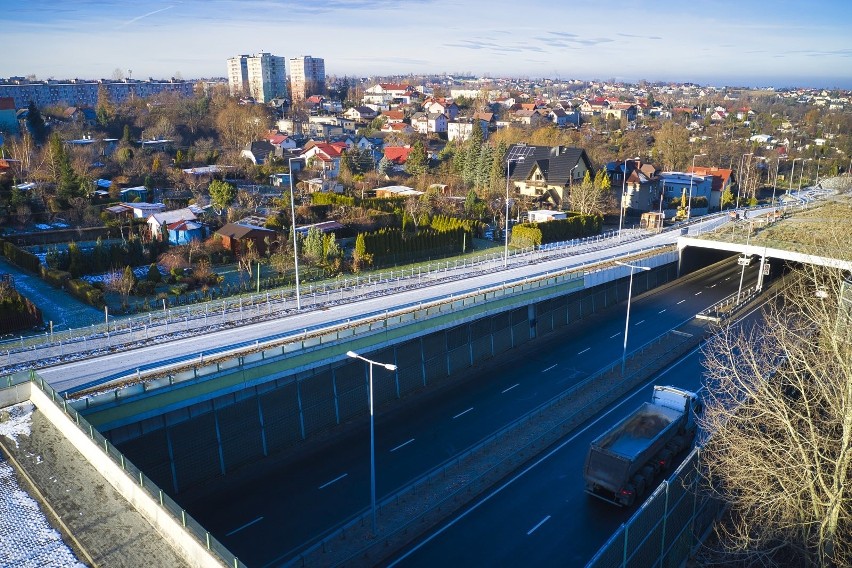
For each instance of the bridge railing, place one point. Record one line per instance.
(193, 527)
(667, 528)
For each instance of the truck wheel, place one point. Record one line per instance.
(640, 486)
(664, 458)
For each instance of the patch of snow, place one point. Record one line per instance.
(28, 539)
(43, 227)
(15, 420)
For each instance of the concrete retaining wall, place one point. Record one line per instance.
(192, 445)
(166, 525)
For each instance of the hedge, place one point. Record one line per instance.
(84, 291)
(575, 226)
(54, 277)
(20, 257)
(17, 312)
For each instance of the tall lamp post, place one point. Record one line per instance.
(691, 177)
(802, 173)
(792, 175)
(621, 199)
(295, 247)
(629, 297)
(816, 181)
(389, 367)
(506, 223)
(775, 183)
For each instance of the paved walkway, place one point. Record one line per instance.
(106, 529)
(62, 309)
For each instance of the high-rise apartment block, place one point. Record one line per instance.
(261, 76)
(307, 77)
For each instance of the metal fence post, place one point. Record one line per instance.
(665, 520)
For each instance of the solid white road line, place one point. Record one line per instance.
(682, 301)
(549, 368)
(462, 413)
(510, 388)
(584, 350)
(248, 524)
(335, 480)
(402, 445)
(541, 522)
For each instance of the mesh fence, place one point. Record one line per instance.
(666, 528)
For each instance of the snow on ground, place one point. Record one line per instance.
(28, 539)
(15, 420)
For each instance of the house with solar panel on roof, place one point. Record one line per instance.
(546, 174)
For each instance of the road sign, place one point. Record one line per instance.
(766, 269)
(744, 260)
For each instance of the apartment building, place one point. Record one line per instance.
(307, 77)
(83, 93)
(261, 76)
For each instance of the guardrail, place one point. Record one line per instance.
(169, 506)
(367, 323)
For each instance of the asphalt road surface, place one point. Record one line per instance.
(277, 514)
(541, 516)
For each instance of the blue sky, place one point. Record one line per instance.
(722, 42)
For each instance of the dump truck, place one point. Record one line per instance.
(623, 463)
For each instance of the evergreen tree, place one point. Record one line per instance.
(35, 122)
(104, 110)
(125, 137)
(67, 184)
(417, 161)
(498, 164)
(222, 194)
(484, 166)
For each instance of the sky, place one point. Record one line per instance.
(758, 43)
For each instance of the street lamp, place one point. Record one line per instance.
(801, 174)
(775, 183)
(295, 249)
(692, 177)
(816, 181)
(627, 320)
(389, 367)
(621, 200)
(792, 175)
(506, 223)
(740, 176)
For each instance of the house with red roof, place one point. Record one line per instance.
(397, 154)
(722, 179)
(281, 141)
(393, 116)
(325, 156)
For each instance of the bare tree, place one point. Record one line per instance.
(779, 415)
(121, 282)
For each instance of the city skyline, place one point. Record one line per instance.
(721, 42)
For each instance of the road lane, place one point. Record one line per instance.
(295, 512)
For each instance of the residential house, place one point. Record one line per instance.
(427, 123)
(399, 127)
(385, 94)
(721, 180)
(259, 152)
(639, 187)
(548, 173)
(8, 115)
(441, 106)
(621, 110)
(360, 114)
(159, 222)
(528, 117)
(238, 237)
(131, 194)
(459, 130)
(393, 116)
(182, 232)
(325, 156)
(281, 141)
(674, 185)
(397, 155)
